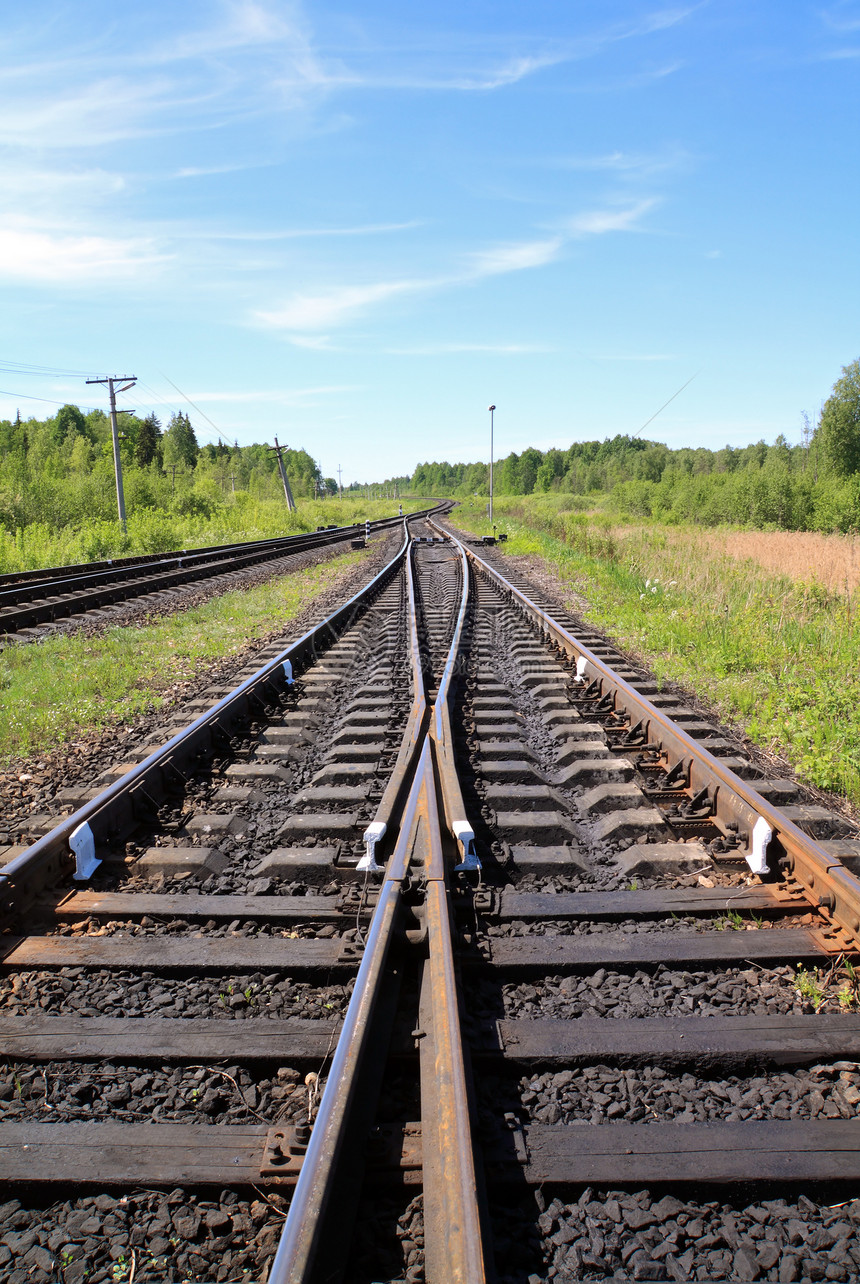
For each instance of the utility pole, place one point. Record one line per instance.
(340, 480)
(128, 381)
(233, 480)
(491, 409)
(279, 451)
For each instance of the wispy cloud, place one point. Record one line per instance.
(599, 222)
(842, 17)
(253, 58)
(300, 233)
(661, 19)
(337, 305)
(31, 255)
(499, 349)
(850, 51)
(514, 258)
(632, 356)
(635, 165)
(279, 396)
(841, 21)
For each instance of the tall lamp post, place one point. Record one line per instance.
(491, 409)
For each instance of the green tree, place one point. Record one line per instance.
(180, 444)
(148, 437)
(69, 421)
(839, 428)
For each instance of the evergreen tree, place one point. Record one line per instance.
(180, 444)
(148, 437)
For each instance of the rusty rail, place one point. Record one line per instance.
(114, 811)
(734, 802)
(454, 1238)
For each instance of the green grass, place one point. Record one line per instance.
(53, 691)
(153, 531)
(778, 657)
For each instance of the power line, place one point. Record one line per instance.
(666, 403)
(221, 436)
(51, 401)
(45, 372)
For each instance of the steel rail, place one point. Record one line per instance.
(110, 574)
(453, 1234)
(454, 807)
(57, 574)
(413, 735)
(58, 577)
(734, 801)
(100, 814)
(34, 604)
(294, 1259)
(454, 1245)
(297, 1250)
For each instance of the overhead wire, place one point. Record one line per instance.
(666, 403)
(44, 372)
(221, 436)
(25, 396)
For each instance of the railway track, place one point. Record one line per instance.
(31, 599)
(445, 947)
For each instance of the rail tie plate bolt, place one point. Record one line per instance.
(274, 1151)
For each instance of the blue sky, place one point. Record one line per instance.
(355, 227)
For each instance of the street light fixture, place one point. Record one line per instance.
(491, 409)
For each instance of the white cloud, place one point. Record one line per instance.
(662, 19)
(245, 24)
(632, 356)
(841, 21)
(624, 164)
(335, 306)
(280, 396)
(40, 256)
(338, 305)
(255, 59)
(515, 258)
(315, 342)
(599, 222)
(102, 111)
(441, 349)
(289, 234)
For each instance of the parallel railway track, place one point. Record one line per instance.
(30, 599)
(435, 951)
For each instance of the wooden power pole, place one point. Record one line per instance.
(279, 451)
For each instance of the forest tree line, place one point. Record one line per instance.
(813, 485)
(59, 471)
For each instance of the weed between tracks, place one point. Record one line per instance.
(781, 657)
(52, 690)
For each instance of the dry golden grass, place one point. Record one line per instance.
(830, 560)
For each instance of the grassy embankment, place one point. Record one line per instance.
(779, 654)
(153, 531)
(53, 691)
